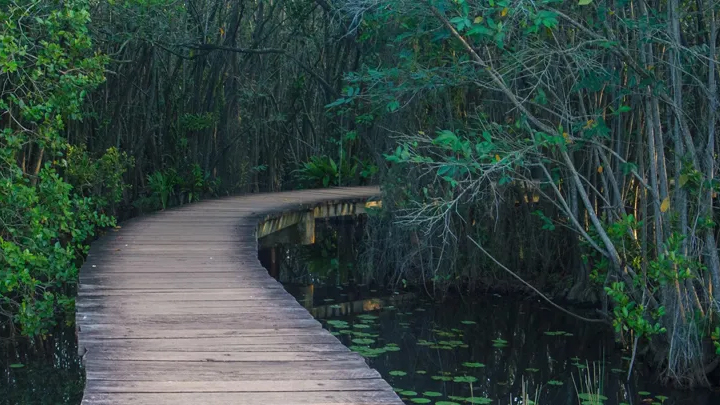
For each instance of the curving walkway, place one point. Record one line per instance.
(175, 308)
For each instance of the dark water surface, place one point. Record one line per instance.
(47, 375)
(479, 349)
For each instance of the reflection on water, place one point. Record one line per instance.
(467, 349)
(48, 374)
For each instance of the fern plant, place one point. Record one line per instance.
(323, 171)
(162, 185)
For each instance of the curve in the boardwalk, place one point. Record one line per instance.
(175, 308)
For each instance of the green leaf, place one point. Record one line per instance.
(584, 2)
(420, 400)
(432, 394)
(479, 400)
(397, 373)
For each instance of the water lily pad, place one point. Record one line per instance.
(432, 394)
(421, 372)
(408, 393)
(446, 403)
(361, 326)
(479, 400)
(397, 373)
(441, 378)
(468, 322)
(338, 324)
(499, 342)
(17, 365)
(473, 365)
(643, 393)
(420, 400)
(464, 379)
(363, 341)
(532, 370)
(555, 382)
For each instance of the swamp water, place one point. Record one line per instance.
(49, 376)
(478, 350)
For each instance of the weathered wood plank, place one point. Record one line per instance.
(246, 398)
(175, 308)
(126, 355)
(102, 386)
(227, 371)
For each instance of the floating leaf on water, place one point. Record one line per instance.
(499, 342)
(661, 398)
(361, 326)
(408, 393)
(643, 393)
(397, 373)
(478, 400)
(464, 379)
(363, 341)
(17, 365)
(441, 378)
(532, 370)
(335, 333)
(456, 398)
(421, 372)
(328, 300)
(391, 348)
(555, 382)
(592, 398)
(446, 403)
(432, 394)
(473, 365)
(346, 332)
(468, 322)
(420, 400)
(617, 370)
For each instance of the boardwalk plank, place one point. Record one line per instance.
(245, 398)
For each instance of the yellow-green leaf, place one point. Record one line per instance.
(665, 205)
(584, 2)
(683, 180)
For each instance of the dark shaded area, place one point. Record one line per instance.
(45, 374)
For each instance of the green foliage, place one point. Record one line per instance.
(45, 227)
(162, 185)
(47, 65)
(100, 178)
(322, 171)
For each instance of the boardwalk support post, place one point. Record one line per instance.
(308, 228)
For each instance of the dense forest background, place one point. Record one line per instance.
(568, 144)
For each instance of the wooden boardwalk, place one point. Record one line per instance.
(175, 308)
